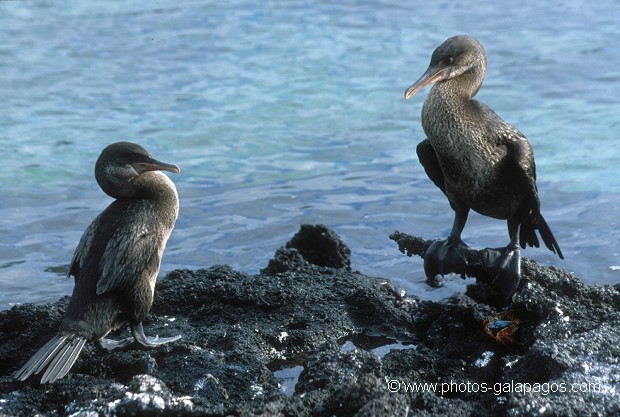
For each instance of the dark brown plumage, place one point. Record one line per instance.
(117, 260)
(478, 160)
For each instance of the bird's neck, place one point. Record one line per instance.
(451, 98)
(459, 89)
(442, 108)
(154, 185)
(447, 117)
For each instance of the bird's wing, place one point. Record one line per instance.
(134, 246)
(82, 249)
(519, 165)
(428, 159)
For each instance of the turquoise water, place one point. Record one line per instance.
(281, 113)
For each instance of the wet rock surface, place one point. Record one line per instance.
(363, 348)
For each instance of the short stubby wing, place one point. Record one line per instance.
(428, 159)
(520, 165)
(135, 248)
(83, 248)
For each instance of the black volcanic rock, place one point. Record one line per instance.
(363, 348)
(313, 244)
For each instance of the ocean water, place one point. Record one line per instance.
(288, 112)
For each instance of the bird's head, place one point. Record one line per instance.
(461, 57)
(121, 163)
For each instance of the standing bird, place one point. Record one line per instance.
(117, 260)
(479, 161)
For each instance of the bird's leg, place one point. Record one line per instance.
(446, 256)
(138, 334)
(505, 265)
(109, 344)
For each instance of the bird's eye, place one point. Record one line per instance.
(448, 61)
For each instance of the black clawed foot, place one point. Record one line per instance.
(505, 268)
(444, 257)
(138, 334)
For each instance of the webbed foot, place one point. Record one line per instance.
(505, 268)
(444, 257)
(138, 334)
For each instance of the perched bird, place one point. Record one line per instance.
(479, 161)
(117, 260)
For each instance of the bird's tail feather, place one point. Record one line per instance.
(58, 356)
(547, 237)
(527, 234)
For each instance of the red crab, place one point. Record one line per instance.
(502, 326)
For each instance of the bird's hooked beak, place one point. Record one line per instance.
(431, 75)
(151, 164)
